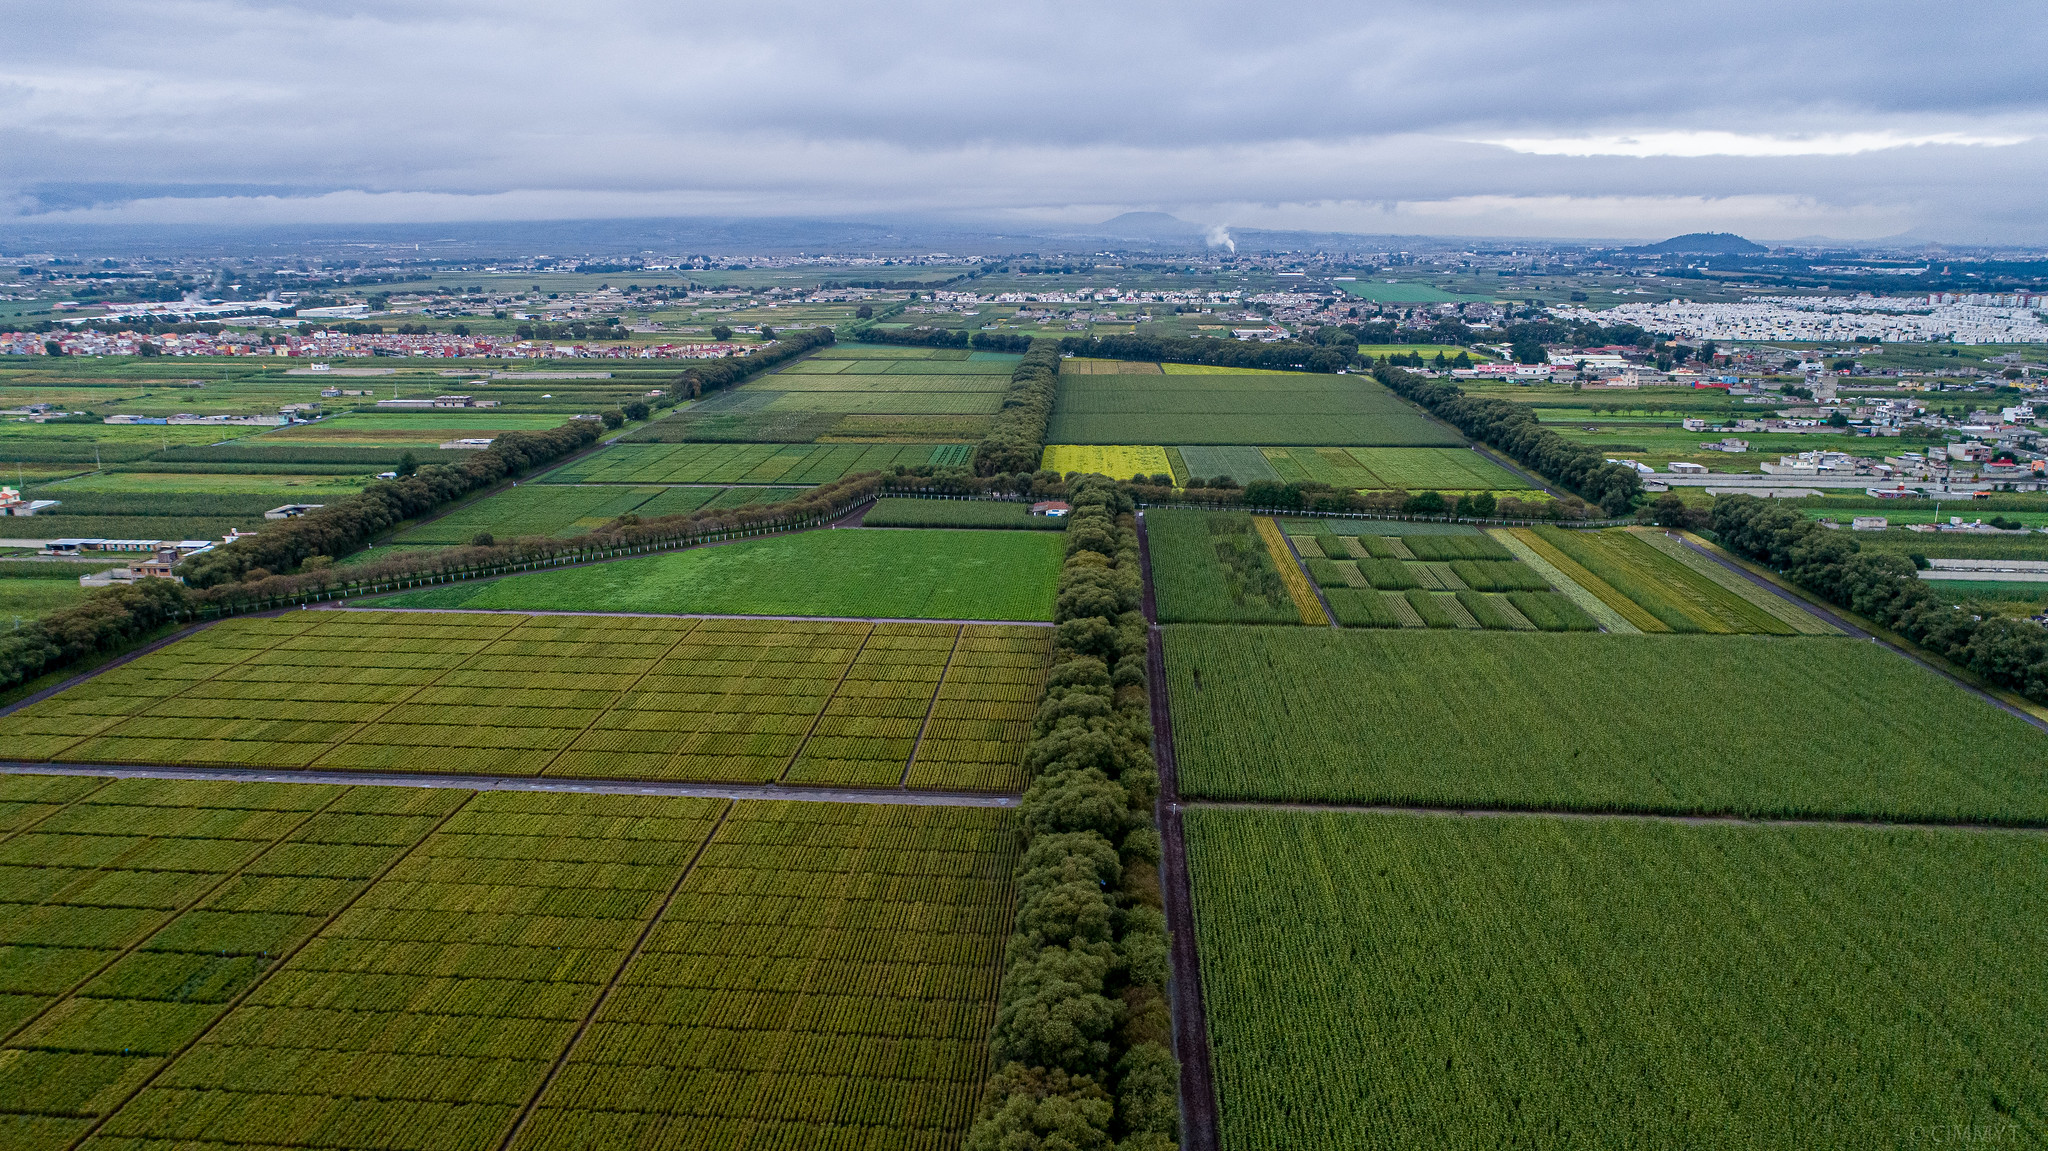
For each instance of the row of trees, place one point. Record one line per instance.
(1281, 355)
(711, 375)
(1016, 438)
(943, 338)
(346, 525)
(1083, 1035)
(2011, 653)
(1514, 429)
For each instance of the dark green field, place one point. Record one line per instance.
(1439, 982)
(1231, 407)
(1562, 722)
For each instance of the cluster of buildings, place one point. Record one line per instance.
(331, 344)
(1887, 319)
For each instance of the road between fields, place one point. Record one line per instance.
(1854, 632)
(892, 795)
(1455, 811)
(1198, 1118)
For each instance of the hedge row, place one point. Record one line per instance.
(943, 338)
(1513, 428)
(112, 618)
(1083, 1035)
(2011, 653)
(1281, 355)
(711, 375)
(1016, 439)
(345, 525)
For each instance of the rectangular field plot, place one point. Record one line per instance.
(1236, 463)
(1213, 567)
(918, 513)
(1811, 726)
(747, 463)
(825, 977)
(1419, 981)
(741, 701)
(1116, 462)
(1666, 589)
(247, 964)
(564, 510)
(865, 573)
(1237, 408)
(1435, 469)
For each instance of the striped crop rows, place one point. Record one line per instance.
(256, 964)
(741, 701)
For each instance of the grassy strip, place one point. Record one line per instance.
(909, 513)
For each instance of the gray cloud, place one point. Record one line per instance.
(1621, 120)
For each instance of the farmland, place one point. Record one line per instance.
(910, 513)
(1405, 981)
(271, 964)
(1215, 568)
(1431, 580)
(566, 510)
(910, 574)
(853, 393)
(1543, 721)
(844, 704)
(748, 463)
(1121, 462)
(1236, 407)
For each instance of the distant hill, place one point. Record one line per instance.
(1146, 226)
(1704, 244)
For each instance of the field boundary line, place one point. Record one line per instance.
(1480, 811)
(586, 786)
(931, 706)
(597, 1005)
(195, 901)
(283, 960)
(1198, 1112)
(607, 709)
(679, 615)
(820, 717)
(1836, 617)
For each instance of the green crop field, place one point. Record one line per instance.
(1211, 567)
(749, 463)
(908, 513)
(26, 599)
(564, 510)
(1432, 982)
(1237, 408)
(885, 573)
(281, 964)
(1405, 469)
(565, 696)
(1677, 594)
(1561, 722)
(1243, 464)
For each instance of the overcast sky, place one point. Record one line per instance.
(1779, 120)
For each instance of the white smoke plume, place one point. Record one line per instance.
(1219, 237)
